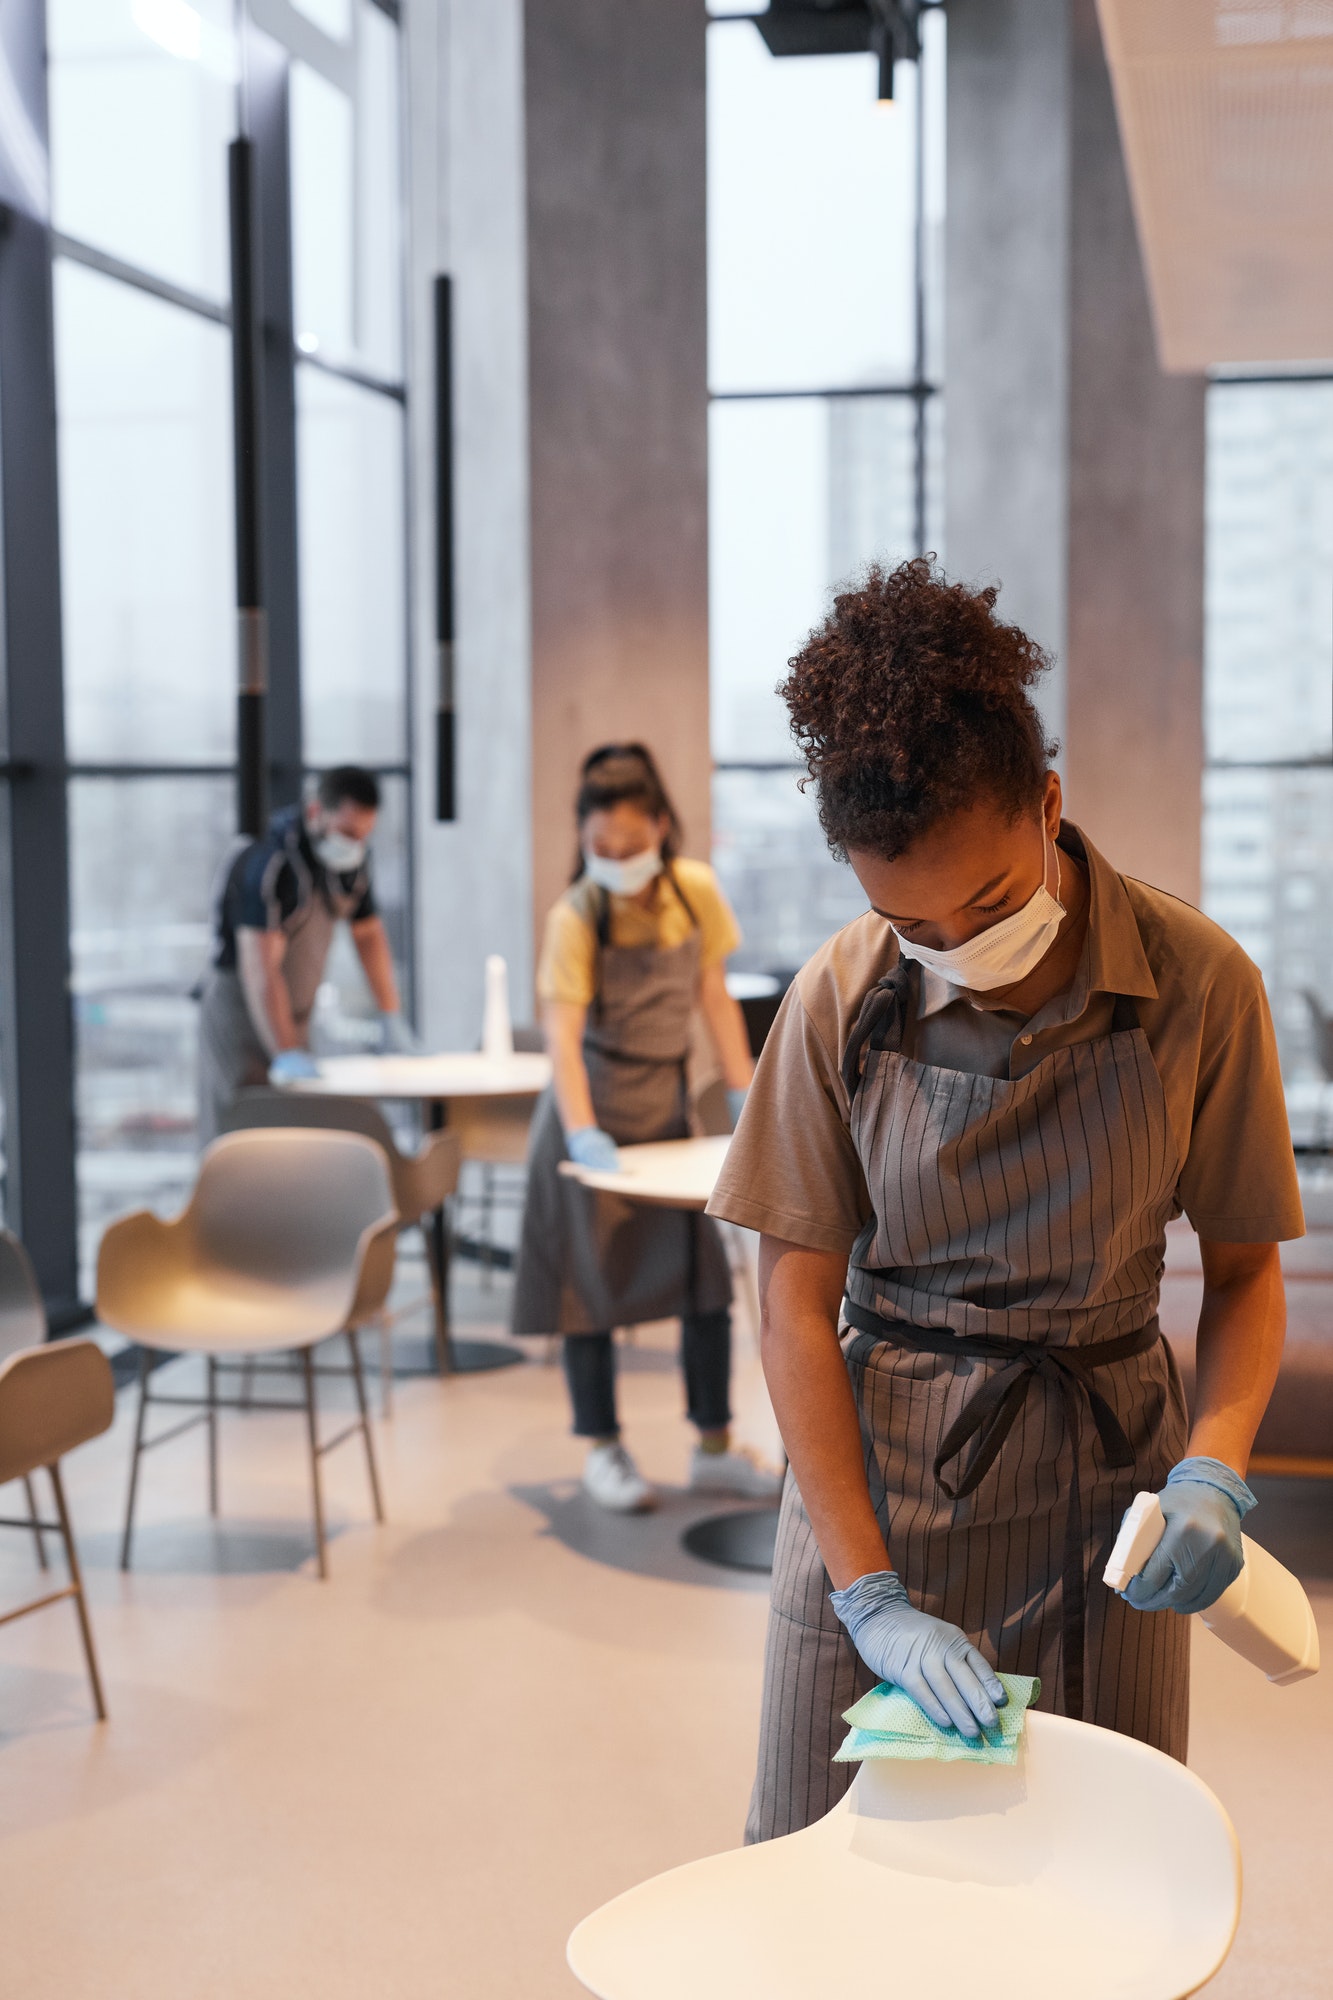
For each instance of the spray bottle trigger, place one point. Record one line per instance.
(1140, 1532)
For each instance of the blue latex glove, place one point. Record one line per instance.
(292, 1066)
(930, 1660)
(396, 1037)
(735, 1105)
(1200, 1554)
(591, 1147)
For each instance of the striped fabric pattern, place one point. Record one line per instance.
(1017, 1205)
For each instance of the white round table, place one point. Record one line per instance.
(435, 1082)
(682, 1173)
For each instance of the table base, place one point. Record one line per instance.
(743, 1539)
(478, 1357)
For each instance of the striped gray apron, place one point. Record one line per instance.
(1013, 1388)
(231, 1056)
(589, 1262)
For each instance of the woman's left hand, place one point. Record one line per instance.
(1200, 1555)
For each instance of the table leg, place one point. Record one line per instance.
(456, 1357)
(744, 1539)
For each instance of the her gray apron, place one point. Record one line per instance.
(589, 1262)
(231, 1056)
(1013, 1388)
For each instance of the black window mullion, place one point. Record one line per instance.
(37, 1027)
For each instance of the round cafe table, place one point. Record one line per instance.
(436, 1082)
(681, 1173)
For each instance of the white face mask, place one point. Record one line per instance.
(1005, 953)
(623, 878)
(339, 853)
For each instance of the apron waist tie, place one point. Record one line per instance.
(989, 1416)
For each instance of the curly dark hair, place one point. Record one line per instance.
(910, 702)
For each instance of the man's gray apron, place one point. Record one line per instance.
(589, 1262)
(231, 1056)
(1013, 1388)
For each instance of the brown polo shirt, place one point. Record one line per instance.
(792, 1170)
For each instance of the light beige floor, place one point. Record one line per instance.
(500, 1710)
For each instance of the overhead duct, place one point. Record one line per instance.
(1226, 119)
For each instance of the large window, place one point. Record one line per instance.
(144, 99)
(825, 212)
(1268, 819)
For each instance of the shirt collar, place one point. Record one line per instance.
(1113, 959)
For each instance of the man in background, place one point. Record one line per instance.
(279, 901)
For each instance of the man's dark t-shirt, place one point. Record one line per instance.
(268, 883)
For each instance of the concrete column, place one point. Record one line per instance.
(1074, 466)
(464, 69)
(617, 402)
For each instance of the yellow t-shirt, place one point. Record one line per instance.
(568, 967)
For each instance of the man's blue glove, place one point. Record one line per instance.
(1200, 1554)
(932, 1661)
(735, 1105)
(592, 1148)
(292, 1066)
(396, 1037)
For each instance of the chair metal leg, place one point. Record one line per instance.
(212, 1436)
(135, 1456)
(386, 1366)
(76, 1578)
(485, 1216)
(359, 1381)
(35, 1518)
(308, 1371)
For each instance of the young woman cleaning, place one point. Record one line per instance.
(632, 949)
(980, 1106)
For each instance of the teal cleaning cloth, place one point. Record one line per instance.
(887, 1723)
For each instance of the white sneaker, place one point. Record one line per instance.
(738, 1473)
(614, 1481)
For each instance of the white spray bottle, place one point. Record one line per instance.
(497, 1033)
(1265, 1615)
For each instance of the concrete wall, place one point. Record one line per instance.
(617, 399)
(1075, 468)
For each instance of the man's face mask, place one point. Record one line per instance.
(338, 852)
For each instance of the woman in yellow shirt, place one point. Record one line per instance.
(635, 945)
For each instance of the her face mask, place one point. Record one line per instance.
(339, 853)
(1005, 953)
(623, 878)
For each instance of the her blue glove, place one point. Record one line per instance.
(292, 1066)
(592, 1148)
(932, 1661)
(396, 1037)
(1200, 1554)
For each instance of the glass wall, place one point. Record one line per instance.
(1268, 820)
(825, 209)
(144, 100)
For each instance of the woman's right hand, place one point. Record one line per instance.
(931, 1660)
(592, 1148)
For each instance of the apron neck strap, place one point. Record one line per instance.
(879, 1024)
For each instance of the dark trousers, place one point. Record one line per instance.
(705, 1359)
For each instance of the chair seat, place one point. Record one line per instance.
(232, 1314)
(1095, 1866)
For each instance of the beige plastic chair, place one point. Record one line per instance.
(1094, 1867)
(422, 1182)
(289, 1238)
(53, 1396)
(22, 1324)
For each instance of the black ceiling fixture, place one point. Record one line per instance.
(887, 29)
